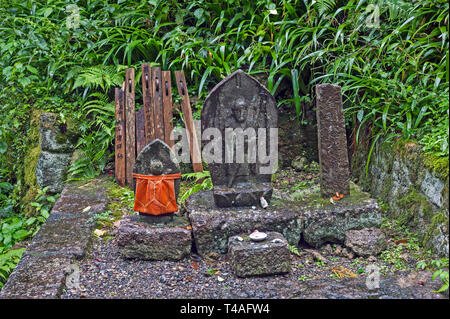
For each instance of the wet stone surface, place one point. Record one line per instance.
(140, 240)
(64, 237)
(37, 276)
(366, 242)
(268, 257)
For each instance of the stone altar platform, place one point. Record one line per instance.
(308, 216)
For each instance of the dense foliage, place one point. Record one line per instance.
(390, 56)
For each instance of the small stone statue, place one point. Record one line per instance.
(157, 184)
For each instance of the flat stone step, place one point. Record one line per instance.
(64, 237)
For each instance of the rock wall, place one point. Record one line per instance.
(414, 185)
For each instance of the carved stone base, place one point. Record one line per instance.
(141, 240)
(242, 195)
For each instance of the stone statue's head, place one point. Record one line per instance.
(239, 110)
(156, 167)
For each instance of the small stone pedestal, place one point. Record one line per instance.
(268, 257)
(164, 241)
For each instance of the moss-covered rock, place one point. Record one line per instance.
(31, 156)
(414, 186)
(58, 135)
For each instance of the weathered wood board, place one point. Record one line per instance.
(140, 131)
(189, 121)
(157, 104)
(167, 107)
(119, 144)
(130, 125)
(147, 100)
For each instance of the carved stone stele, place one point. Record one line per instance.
(239, 103)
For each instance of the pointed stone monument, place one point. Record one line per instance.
(333, 156)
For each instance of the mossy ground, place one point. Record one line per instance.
(121, 203)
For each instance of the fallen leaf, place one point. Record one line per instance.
(188, 227)
(401, 241)
(99, 232)
(117, 223)
(195, 265)
(86, 209)
(220, 279)
(342, 272)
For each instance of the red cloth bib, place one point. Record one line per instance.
(155, 194)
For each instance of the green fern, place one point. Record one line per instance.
(196, 187)
(294, 250)
(101, 76)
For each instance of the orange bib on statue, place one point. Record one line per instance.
(155, 194)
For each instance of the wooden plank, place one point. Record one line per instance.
(140, 131)
(167, 107)
(158, 117)
(189, 121)
(119, 144)
(130, 125)
(148, 105)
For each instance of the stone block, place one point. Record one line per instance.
(213, 226)
(366, 242)
(268, 257)
(140, 240)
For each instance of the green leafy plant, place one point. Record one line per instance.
(197, 182)
(294, 250)
(8, 262)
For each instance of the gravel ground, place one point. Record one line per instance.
(105, 274)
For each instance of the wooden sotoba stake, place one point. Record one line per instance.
(167, 106)
(158, 119)
(148, 104)
(189, 122)
(119, 144)
(130, 125)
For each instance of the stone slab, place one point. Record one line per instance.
(332, 140)
(330, 224)
(315, 219)
(64, 237)
(366, 242)
(240, 196)
(140, 240)
(268, 257)
(37, 277)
